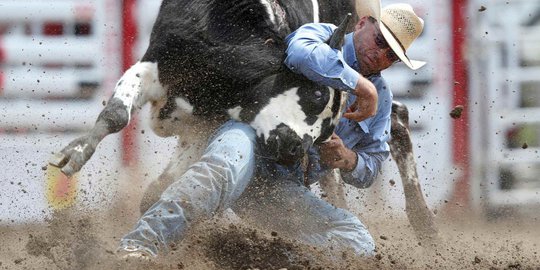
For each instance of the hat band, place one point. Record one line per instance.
(394, 36)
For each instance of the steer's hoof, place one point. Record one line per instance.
(58, 160)
(68, 170)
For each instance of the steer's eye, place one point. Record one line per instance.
(318, 93)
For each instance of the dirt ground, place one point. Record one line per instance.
(72, 240)
(79, 239)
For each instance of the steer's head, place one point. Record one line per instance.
(291, 114)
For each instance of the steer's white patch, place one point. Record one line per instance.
(284, 108)
(139, 84)
(315, 4)
(184, 106)
(80, 148)
(275, 13)
(269, 10)
(234, 113)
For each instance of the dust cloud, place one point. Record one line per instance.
(77, 240)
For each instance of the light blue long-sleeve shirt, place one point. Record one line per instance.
(308, 54)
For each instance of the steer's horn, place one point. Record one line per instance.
(338, 37)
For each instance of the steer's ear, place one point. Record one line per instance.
(338, 37)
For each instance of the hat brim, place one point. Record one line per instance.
(396, 47)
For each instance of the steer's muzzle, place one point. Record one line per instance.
(284, 145)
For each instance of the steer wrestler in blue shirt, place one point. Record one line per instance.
(277, 199)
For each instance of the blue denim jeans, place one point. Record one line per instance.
(275, 199)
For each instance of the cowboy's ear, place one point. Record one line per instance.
(360, 23)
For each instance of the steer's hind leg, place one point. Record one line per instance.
(418, 213)
(138, 85)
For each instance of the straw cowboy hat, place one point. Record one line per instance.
(399, 25)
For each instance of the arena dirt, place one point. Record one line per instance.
(70, 241)
(81, 239)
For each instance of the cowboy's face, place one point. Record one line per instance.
(372, 50)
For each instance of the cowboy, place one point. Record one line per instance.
(277, 199)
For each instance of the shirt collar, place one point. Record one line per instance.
(348, 52)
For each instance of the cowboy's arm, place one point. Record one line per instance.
(373, 148)
(360, 154)
(308, 54)
(366, 170)
(357, 168)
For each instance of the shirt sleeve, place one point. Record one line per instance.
(372, 149)
(309, 55)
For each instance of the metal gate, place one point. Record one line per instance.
(58, 63)
(505, 92)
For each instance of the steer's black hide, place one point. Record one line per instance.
(222, 54)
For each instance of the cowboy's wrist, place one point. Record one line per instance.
(365, 88)
(366, 94)
(350, 161)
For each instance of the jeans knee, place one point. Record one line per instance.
(356, 236)
(233, 139)
(368, 246)
(235, 128)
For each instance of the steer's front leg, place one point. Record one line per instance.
(138, 85)
(113, 118)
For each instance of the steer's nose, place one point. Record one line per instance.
(284, 145)
(295, 148)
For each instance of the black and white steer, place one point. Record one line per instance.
(211, 60)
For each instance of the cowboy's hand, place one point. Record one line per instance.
(334, 154)
(366, 102)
